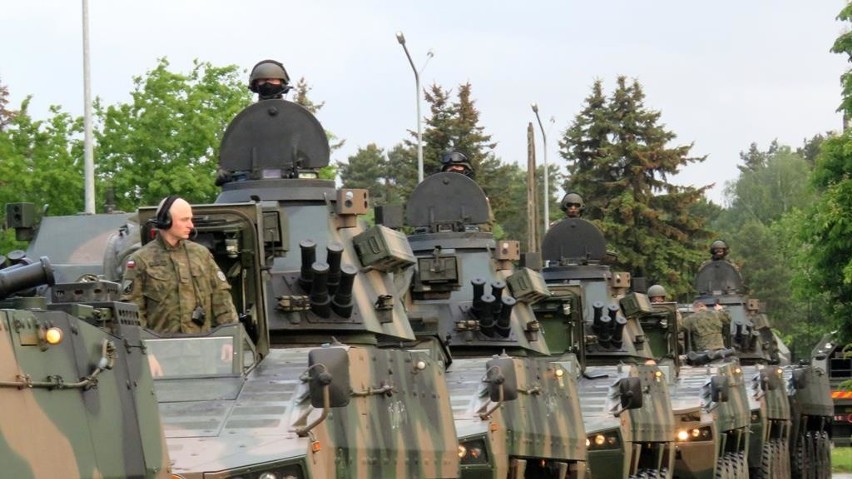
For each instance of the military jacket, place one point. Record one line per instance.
(168, 282)
(706, 328)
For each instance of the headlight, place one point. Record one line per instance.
(473, 452)
(603, 440)
(695, 434)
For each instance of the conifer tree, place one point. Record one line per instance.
(620, 161)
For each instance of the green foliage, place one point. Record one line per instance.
(166, 140)
(619, 161)
(843, 45)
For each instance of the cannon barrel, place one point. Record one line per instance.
(20, 277)
(612, 309)
(320, 301)
(334, 251)
(486, 321)
(341, 303)
(504, 325)
(309, 256)
(497, 288)
(478, 308)
(617, 334)
(597, 320)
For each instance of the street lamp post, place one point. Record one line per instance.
(88, 148)
(546, 172)
(401, 39)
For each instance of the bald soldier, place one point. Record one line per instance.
(175, 282)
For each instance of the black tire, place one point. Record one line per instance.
(798, 459)
(721, 468)
(825, 450)
(763, 470)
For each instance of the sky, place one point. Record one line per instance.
(723, 74)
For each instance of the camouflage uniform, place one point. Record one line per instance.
(706, 328)
(159, 279)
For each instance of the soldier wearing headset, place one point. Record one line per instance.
(175, 282)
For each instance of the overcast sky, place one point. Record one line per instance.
(724, 74)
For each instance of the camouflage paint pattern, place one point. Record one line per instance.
(251, 425)
(538, 434)
(279, 240)
(51, 425)
(811, 410)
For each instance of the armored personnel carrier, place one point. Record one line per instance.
(74, 243)
(624, 395)
(322, 383)
(77, 394)
(708, 393)
(835, 358)
(466, 296)
(798, 429)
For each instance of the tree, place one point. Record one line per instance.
(619, 161)
(166, 140)
(6, 115)
(366, 169)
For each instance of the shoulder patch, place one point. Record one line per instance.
(127, 286)
(220, 275)
(130, 264)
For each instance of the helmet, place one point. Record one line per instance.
(719, 244)
(656, 290)
(269, 69)
(572, 199)
(455, 158)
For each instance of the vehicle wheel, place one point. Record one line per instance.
(825, 450)
(798, 460)
(764, 469)
(721, 468)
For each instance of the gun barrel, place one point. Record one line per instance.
(309, 256)
(20, 277)
(320, 301)
(504, 324)
(618, 332)
(334, 252)
(341, 303)
(486, 321)
(478, 308)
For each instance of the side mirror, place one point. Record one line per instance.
(719, 389)
(329, 368)
(630, 392)
(500, 373)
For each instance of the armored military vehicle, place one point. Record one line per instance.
(74, 243)
(708, 393)
(835, 358)
(624, 395)
(77, 394)
(322, 382)
(466, 296)
(802, 425)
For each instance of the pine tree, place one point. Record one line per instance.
(620, 162)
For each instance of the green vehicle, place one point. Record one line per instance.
(591, 325)
(74, 243)
(466, 296)
(326, 379)
(791, 417)
(711, 403)
(77, 394)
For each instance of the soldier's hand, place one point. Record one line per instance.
(156, 369)
(718, 307)
(227, 352)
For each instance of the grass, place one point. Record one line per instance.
(841, 459)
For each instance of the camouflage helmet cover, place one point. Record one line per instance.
(267, 69)
(718, 244)
(572, 198)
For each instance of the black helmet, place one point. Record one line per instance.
(656, 290)
(269, 69)
(572, 199)
(455, 158)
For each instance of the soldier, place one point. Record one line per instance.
(175, 282)
(572, 205)
(718, 250)
(706, 326)
(457, 162)
(269, 80)
(657, 294)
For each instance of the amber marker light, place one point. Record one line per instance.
(53, 335)
(682, 435)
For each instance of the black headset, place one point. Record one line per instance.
(164, 218)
